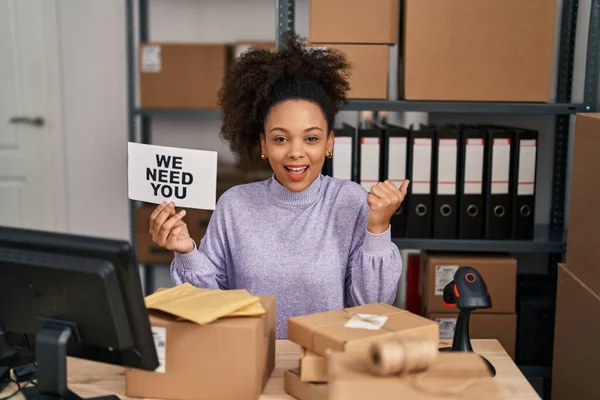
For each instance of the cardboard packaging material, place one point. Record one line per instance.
(293, 385)
(181, 75)
(313, 367)
(147, 251)
(583, 235)
(355, 328)
(502, 327)
(370, 69)
(356, 21)
(465, 373)
(472, 50)
(230, 358)
(576, 346)
(498, 271)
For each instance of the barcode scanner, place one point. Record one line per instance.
(467, 292)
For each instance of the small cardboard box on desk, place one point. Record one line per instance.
(212, 344)
(350, 329)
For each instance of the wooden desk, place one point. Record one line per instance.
(94, 379)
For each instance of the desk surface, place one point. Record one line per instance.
(94, 379)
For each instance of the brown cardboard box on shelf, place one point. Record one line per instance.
(576, 331)
(356, 21)
(350, 379)
(147, 251)
(583, 234)
(313, 367)
(370, 69)
(502, 327)
(181, 75)
(303, 390)
(231, 358)
(472, 50)
(355, 328)
(498, 271)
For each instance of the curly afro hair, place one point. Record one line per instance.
(261, 79)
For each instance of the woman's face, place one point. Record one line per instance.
(296, 142)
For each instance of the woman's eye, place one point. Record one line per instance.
(279, 139)
(312, 139)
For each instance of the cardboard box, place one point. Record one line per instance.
(502, 327)
(472, 50)
(231, 358)
(465, 373)
(341, 330)
(370, 69)
(147, 251)
(356, 21)
(576, 345)
(583, 234)
(498, 271)
(303, 390)
(181, 75)
(313, 367)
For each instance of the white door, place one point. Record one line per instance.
(32, 184)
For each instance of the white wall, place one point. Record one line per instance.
(92, 35)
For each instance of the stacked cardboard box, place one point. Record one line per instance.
(349, 330)
(577, 324)
(499, 273)
(363, 31)
(472, 50)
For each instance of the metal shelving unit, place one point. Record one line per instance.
(550, 239)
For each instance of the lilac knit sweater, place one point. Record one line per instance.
(309, 249)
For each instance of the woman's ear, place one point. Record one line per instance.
(263, 146)
(330, 140)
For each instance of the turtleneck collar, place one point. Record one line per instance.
(283, 195)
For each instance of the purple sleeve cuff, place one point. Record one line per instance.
(188, 261)
(378, 244)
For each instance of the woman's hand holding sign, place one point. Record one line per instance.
(168, 229)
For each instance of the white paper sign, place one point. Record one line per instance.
(371, 322)
(159, 334)
(185, 176)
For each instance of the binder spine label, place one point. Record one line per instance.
(342, 159)
(421, 182)
(369, 162)
(500, 166)
(527, 159)
(473, 183)
(397, 151)
(447, 160)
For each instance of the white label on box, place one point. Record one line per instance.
(342, 158)
(443, 275)
(421, 183)
(447, 326)
(371, 322)
(473, 167)
(447, 160)
(397, 160)
(159, 334)
(369, 162)
(526, 179)
(151, 60)
(500, 166)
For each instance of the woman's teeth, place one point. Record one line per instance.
(296, 170)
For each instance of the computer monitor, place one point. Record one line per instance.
(68, 295)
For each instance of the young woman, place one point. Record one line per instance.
(316, 243)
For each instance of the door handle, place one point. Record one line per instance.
(35, 121)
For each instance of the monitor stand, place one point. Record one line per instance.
(51, 355)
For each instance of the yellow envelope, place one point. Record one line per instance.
(203, 306)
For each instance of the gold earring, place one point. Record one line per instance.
(330, 154)
(263, 156)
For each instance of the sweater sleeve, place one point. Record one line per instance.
(206, 265)
(374, 265)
